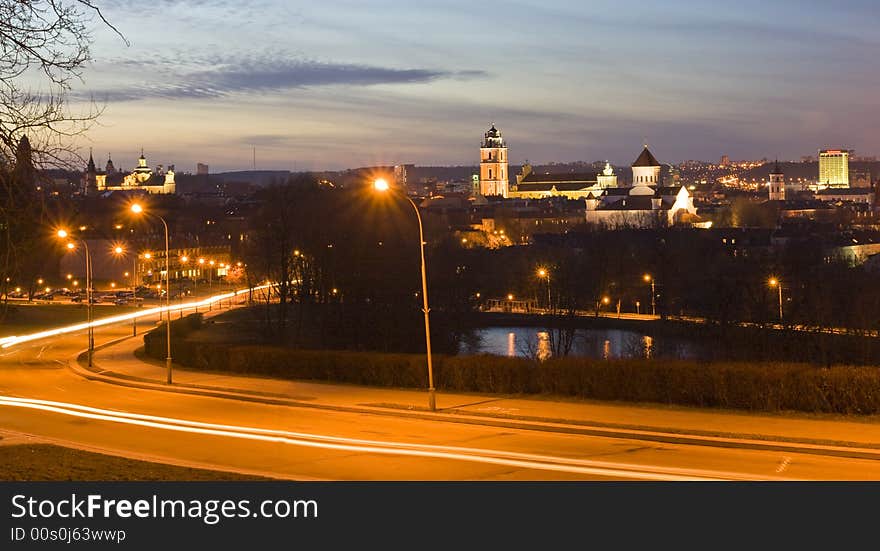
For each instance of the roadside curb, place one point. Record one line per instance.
(857, 450)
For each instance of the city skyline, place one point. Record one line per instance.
(342, 85)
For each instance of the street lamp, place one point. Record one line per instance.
(649, 279)
(138, 209)
(545, 273)
(774, 282)
(63, 234)
(183, 260)
(381, 185)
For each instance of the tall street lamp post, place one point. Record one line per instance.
(138, 209)
(62, 234)
(774, 282)
(545, 273)
(381, 185)
(650, 279)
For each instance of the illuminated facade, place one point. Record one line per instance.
(833, 168)
(493, 164)
(642, 206)
(777, 184)
(530, 185)
(646, 169)
(142, 178)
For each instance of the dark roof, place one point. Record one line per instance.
(661, 191)
(646, 159)
(560, 186)
(584, 177)
(636, 202)
(845, 191)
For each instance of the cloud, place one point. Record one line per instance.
(177, 77)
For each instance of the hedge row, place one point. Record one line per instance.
(734, 385)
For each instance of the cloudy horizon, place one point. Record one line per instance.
(343, 84)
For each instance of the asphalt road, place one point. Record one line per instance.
(41, 397)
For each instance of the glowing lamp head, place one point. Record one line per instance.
(117, 250)
(70, 246)
(381, 184)
(184, 259)
(773, 282)
(647, 278)
(148, 256)
(62, 234)
(137, 208)
(509, 297)
(605, 300)
(542, 272)
(201, 261)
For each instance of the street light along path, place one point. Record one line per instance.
(12, 340)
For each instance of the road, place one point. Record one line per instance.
(41, 397)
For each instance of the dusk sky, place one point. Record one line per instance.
(342, 84)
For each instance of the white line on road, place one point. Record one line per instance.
(477, 455)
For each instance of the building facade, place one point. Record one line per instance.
(494, 164)
(777, 184)
(646, 169)
(833, 168)
(142, 178)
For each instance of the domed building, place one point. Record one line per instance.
(142, 178)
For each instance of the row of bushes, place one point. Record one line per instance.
(735, 385)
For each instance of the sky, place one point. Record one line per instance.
(341, 84)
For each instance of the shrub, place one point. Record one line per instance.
(733, 385)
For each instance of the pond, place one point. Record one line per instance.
(532, 342)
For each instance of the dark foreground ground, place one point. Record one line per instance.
(48, 462)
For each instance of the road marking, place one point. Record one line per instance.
(786, 461)
(476, 455)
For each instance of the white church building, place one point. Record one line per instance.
(646, 204)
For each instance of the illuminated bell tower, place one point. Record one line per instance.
(493, 164)
(777, 184)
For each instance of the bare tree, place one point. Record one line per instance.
(44, 44)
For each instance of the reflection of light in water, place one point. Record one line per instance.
(511, 344)
(649, 346)
(543, 345)
(606, 349)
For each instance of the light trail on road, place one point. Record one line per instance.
(477, 455)
(6, 342)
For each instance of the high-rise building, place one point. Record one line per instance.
(777, 184)
(201, 169)
(725, 160)
(834, 168)
(402, 175)
(494, 177)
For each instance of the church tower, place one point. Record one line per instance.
(493, 164)
(109, 169)
(646, 169)
(777, 184)
(91, 176)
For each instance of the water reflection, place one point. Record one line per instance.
(543, 345)
(592, 343)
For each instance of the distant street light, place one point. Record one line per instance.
(381, 185)
(544, 273)
(774, 282)
(138, 209)
(650, 279)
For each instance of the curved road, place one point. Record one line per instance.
(42, 398)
